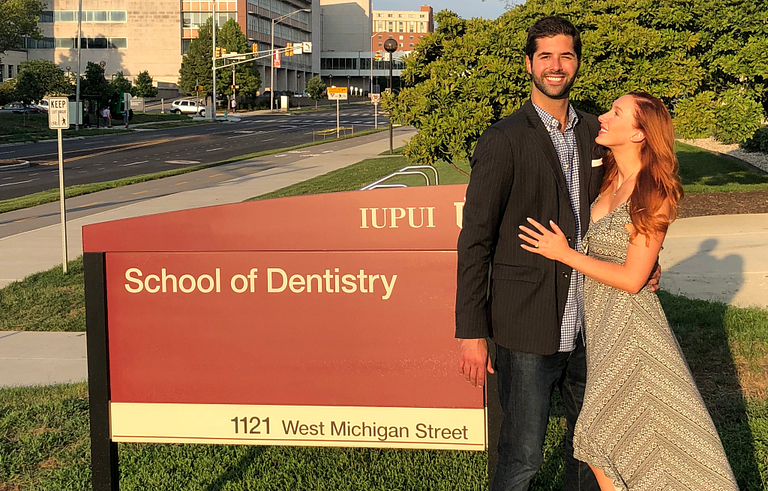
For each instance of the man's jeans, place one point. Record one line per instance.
(526, 382)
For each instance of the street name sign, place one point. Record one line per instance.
(324, 320)
(375, 98)
(58, 113)
(337, 93)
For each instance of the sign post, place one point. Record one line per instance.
(375, 99)
(58, 119)
(337, 94)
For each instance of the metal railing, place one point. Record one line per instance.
(409, 170)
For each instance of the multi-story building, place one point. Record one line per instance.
(136, 35)
(407, 27)
(351, 60)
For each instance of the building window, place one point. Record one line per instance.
(411, 45)
(389, 15)
(10, 71)
(118, 16)
(411, 38)
(44, 43)
(379, 36)
(401, 38)
(2, 71)
(380, 44)
(46, 16)
(421, 16)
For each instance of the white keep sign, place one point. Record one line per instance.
(58, 113)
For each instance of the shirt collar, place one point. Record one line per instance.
(553, 124)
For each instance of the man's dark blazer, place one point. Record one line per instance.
(516, 174)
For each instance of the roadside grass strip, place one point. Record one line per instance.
(44, 439)
(52, 195)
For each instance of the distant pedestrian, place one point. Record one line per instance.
(234, 105)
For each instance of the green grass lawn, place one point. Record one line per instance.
(44, 439)
(705, 172)
(44, 443)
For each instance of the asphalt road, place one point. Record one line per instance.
(126, 154)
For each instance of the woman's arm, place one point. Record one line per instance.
(631, 276)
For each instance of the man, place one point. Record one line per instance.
(535, 163)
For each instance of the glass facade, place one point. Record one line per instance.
(49, 16)
(69, 43)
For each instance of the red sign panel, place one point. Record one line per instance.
(318, 320)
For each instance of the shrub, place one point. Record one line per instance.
(758, 142)
(737, 117)
(695, 116)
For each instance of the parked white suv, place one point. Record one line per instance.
(187, 107)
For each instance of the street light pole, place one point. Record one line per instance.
(79, 42)
(213, 55)
(272, 56)
(391, 46)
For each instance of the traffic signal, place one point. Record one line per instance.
(218, 52)
(223, 51)
(255, 47)
(378, 56)
(289, 49)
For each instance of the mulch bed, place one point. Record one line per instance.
(705, 204)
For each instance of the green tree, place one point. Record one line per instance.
(94, 85)
(38, 78)
(7, 91)
(196, 63)
(119, 84)
(18, 18)
(315, 89)
(231, 38)
(143, 85)
(471, 73)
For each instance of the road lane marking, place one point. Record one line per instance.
(15, 183)
(140, 192)
(182, 162)
(180, 183)
(24, 219)
(135, 163)
(86, 206)
(268, 140)
(215, 175)
(214, 149)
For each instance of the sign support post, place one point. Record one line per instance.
(58, 119)
(337, 94)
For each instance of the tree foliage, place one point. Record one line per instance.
(704, 58)
(142, 85)
(95, 85)
(18, 18)
(231, 38)
(196, 65)
(315, 89)
(38, 78)
(119, 84)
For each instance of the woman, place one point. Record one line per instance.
(643, 425)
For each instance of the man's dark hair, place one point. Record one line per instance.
(550, 27)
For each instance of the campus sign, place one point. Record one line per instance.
(337, 93)
(320, 320)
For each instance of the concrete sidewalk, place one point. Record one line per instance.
(723, 258)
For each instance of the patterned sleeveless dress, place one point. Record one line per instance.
(643, 422)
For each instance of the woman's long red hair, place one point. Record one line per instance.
(657, 182)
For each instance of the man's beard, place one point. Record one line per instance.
(553, 92)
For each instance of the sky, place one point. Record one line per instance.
(488, 9)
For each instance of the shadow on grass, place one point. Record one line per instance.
(704, 168)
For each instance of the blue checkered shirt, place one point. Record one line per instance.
(567, 153)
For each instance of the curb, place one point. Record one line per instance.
(20, 165)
